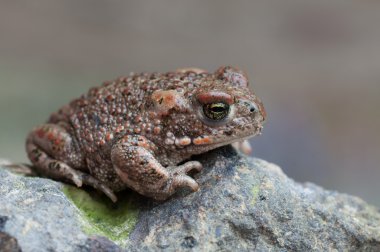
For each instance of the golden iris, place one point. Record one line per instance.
(216, 111)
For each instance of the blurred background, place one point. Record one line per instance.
(315, 64)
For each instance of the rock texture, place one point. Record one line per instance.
(36, 213)
(244, 204)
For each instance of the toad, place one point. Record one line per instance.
(140, 131)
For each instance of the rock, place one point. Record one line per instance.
(8, 243)
(38, 214)
(243, 204)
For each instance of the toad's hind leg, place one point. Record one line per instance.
(51, 150)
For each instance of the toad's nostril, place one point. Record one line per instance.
(253, 108)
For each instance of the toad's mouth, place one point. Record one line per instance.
(216, 142)
(241, 139)
(241, 136)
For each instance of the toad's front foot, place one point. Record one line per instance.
(144, 174)
(179, 178)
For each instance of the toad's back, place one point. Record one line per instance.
(106, 113)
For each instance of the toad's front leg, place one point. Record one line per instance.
(134, 161)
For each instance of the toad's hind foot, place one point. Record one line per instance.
(55, 161)
(61, 171)
(87, 179)
(21, 169)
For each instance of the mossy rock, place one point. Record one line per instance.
(243, 204)
(103, 217)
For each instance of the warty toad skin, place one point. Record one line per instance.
(134, 131)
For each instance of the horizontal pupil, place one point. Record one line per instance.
(218, 109)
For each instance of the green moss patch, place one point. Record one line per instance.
(102, 217)
(255, 193)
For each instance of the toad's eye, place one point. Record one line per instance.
(216, 111)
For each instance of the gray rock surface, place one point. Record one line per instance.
(36, 212)
(243, 204)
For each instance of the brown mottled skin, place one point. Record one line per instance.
(134, 131)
